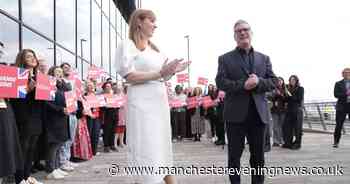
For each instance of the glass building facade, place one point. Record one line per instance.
(80, 32)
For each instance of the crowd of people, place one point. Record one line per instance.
(38, 135)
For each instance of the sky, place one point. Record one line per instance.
(309, 38)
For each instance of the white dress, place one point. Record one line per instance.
(148, 115)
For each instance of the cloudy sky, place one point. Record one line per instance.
(307, 38)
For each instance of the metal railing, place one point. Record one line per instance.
(321, 116)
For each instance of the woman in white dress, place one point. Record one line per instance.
(139, 61)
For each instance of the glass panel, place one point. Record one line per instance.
(9, 37)
(41, 46)
(63, 56)
(65, 28)
(97, 1)
(105, 45)
(39, 15)
(105, 7)
(96, 35)
(113, 12)
(10, 6)
(83, 29)
(113, 49)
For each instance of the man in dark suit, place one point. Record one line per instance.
(245, 75)
(342, 93)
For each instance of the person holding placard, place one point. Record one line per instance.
(197, 119)
(93, 119)
(57, 124)
(28, 114)
(110, 119)
(11, 158)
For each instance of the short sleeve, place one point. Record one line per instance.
(123, 60)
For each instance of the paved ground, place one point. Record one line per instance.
(316, 152)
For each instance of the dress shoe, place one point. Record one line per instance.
(275, 145)
(219, 142)
(113, 148)
(296, 147)
(287, 146)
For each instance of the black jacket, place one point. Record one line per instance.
(56, 120)
(340, 94)
(231, 76)
(295, 102)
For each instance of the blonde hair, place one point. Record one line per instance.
(135, 33)
(197, 91)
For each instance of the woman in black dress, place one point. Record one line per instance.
(28, 113)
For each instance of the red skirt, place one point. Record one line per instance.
(82, 145)
(120, 129)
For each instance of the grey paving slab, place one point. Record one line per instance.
(316, 152)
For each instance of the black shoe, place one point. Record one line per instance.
(219, 142)
(113, 148)
(267, 149)
(296, 147)
(287, 146)
(335, 145)
(275, 145)
(39, 167)
(34, 170)
(106, 150)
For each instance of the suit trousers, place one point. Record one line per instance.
(339, 119)
(254, 129)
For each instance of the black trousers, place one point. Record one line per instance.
(179, 124)
(213, 119)
(28, 143)
(268, 137)
(293, 127)
(339, 119)
(108, 134)
(254, 129)
(94, 127)
(188, 124)
(220, 130)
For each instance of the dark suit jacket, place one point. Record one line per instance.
(340, 94)
(231, 77)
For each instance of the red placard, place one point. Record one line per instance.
(115, 101)
(207, 102)
(94, 72)
(192, 102)
(13, 82)
(175, 103)
(79, 88)
(181, 78)
(77, 83)
(202, 81)
(92, 101)
(87, 107)
(45, 87)
(71, 102)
